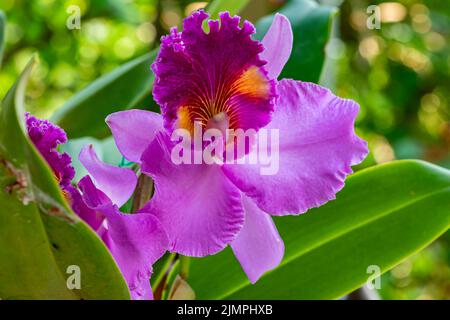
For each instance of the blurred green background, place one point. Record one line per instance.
(399, 74)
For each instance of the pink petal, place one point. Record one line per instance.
(136, 241)
(91, 217)
(133, 130)
(258, 246)
(317, 146)
(277, 45)
(200, 75)
(117, 183)
(198, 206)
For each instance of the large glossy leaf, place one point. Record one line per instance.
(311, 25)
(383, 215)
(40, 237)
(2, 34)
(123, 88)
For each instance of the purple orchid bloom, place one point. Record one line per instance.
(205, 207)
(136, 241)
(46, 137)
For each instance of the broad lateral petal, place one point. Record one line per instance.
(258, 246)
(277, 45)
(197, 205)
(136, 242)
(133, 130)
(317, 147)
(117, 183)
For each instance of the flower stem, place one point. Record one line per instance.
(143, 193)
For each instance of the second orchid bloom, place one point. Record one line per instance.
(202, 75)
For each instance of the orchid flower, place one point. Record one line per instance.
(136, 241)
(202, 76)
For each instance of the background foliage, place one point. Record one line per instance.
(400, 75)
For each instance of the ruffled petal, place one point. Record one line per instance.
(277, 45)
(144, 292)
(133, 130)
(93, 218)
(258, 246)
(200, 75)
(117, 183)
(46, 136)
(317, 146)
(136, 241)
(198, 206)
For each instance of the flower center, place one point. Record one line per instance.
(227, 98)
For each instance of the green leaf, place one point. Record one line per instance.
(124, 88)
(2, 34)
(40, 237)
(232, 6)
(383, 215)
(311, 26)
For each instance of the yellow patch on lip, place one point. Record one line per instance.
(253, 83)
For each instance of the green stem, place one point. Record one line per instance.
(175, 269)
